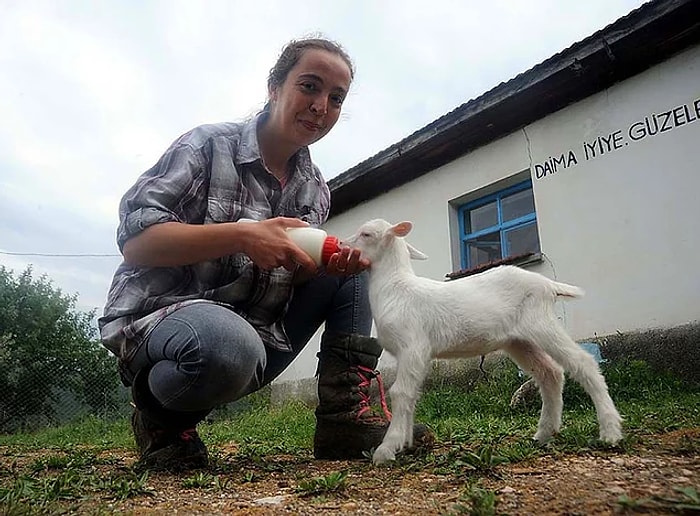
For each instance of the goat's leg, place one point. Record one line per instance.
(583, 368)
(549, 378)
(410, 373)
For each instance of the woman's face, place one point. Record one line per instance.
(307, 105)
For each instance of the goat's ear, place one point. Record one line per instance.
(415, 254)
(402, 228)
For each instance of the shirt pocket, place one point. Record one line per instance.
(222, 210)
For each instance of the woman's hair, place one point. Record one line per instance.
(293, 51)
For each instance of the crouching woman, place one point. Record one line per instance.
(206, 309)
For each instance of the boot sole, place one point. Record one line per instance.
(342, 441)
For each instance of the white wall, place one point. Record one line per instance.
(621, 225)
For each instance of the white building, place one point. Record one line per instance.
(585, 168)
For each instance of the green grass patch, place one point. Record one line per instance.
(650, 402)
(476, 428)
(89, 431)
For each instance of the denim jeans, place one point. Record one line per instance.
(205, 355)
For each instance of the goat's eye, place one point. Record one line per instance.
(365, 234)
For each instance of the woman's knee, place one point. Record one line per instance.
(214, 352)
(228, 345)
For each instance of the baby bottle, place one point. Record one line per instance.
(315, 242)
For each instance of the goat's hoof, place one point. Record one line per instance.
(543, 437)
(611, 437)
(382, 455)
(611, 430)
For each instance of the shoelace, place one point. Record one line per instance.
(188, 435)
(366, 374)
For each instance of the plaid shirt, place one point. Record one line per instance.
(211, 174)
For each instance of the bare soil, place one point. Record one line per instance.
(647, 478)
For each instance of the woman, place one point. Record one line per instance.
(205, 309)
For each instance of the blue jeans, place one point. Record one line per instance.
(205, 355)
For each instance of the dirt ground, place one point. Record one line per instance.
(648, 479)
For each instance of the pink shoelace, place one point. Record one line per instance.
(188, 435)
(366, 374)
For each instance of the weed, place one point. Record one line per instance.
(687, 503)
(250, 476)
(331, 483)
(690, 495)
(632, 504)
(68, 485)
(688, 446)
(50, 462)
(476, 432)
(483, 461)
(200, 480)
(128, 486)
(76, 460)
(479, 502)
(462, 461)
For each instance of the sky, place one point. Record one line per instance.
(93, 92)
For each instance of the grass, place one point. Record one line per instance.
(333, 482)
(58, 468)
(686, 501)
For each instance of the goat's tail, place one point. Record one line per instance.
(566, 290)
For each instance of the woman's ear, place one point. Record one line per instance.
(272, 94)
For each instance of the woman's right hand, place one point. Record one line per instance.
(173, 244)
(267, 243)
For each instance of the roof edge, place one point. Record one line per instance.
(614, 53)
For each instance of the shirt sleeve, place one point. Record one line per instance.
(174, 190)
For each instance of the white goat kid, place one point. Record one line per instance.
(505, 308)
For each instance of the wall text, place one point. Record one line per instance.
(647, 127)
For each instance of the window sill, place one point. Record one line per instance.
(519, 260)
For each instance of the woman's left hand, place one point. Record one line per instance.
(346, 262)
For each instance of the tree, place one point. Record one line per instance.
(47, 348)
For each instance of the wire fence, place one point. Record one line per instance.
(60, 389)
(37, 397)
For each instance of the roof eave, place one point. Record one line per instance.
(646, 36)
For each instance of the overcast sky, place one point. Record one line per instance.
(92, 93)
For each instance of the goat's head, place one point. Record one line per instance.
(377, 237)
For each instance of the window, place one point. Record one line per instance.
(498, 226)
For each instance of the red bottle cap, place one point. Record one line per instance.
(331, 245)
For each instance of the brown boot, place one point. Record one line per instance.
(166, 440)
(346, 425)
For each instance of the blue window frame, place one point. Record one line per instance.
(499, 226)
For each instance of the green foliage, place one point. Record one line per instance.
(475, 501)
(331, 483)
(70, 485)
(204, 480)
(459, 400)
(67, 485)
(90, 431)
(47, 349)
(275, 442)
(686, 502)
(130, 485)
(264, 430)
(484, 460)
(77, 459)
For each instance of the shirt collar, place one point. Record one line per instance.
(249, 150)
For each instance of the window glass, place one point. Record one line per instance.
(517, 205)
(481, 218)
(498, 226)
(522, 240)
(484, 249)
